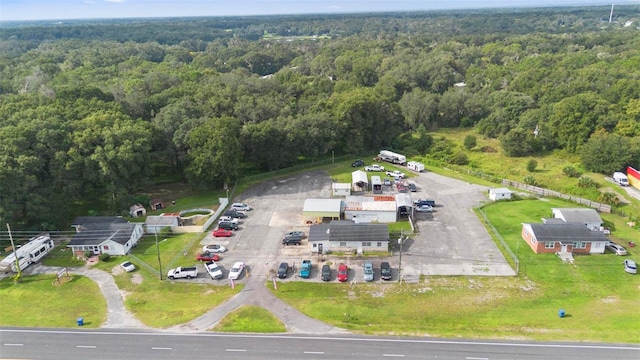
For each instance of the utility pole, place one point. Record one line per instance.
(18, 277)
(158, 252)
(400, 240)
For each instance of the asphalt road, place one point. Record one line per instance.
(114, 344)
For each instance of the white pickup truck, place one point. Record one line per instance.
(183, 272)
(396, 174)
(374, 167)
(229, 219)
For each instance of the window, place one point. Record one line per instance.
(549, 245)
(343, 244)
(580, 245)
(315, 246)
(106, 247)
(379, 244)
(366, 244)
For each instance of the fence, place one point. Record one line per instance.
(546, 192)
(497, 235)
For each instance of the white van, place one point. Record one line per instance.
(620, 179)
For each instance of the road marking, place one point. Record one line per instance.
(161, 348)
(86, 346)
(13, 344)
(393, 355)
(475, 358)
(240, 350)
(314, 352)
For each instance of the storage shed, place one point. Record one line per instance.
(404, 204)
(359, 181)
(341, 189)
(500, 194)
(320, 210)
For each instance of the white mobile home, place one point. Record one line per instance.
(390, 156)
(415, 166)
(27, 254)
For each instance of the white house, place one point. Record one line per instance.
(341, 189)
(585, 216)
(500, 194)
(105, 235)
(359, 181)
(348, 236)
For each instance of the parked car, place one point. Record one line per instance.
(227, 225)
(616, 249)
(343, 272)
(374, 167)
(357, 163)
(241, 207)
(219, 232)
(283, 270)
(183, 272)
(326, 273)
(396, 174)
(424, 208)
(127, 266)
(401, 187)
(368, 271)
(208, 256)
(630, 266)
(429, 202)
(413, 187)
(236, 270)
(214, 270)
(214, 248)
(294, 234)
(229, 219)
(234, 214)
(387, 182)
(385, 271)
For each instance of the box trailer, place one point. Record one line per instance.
(27, 254)
(415, 166)
(394, 158)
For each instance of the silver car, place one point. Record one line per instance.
(368, 271)
(630, 266)
(616, 249)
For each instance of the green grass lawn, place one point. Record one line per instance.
(252, 319)
(37, 302)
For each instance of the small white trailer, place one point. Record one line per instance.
(27, 254)
(415, 166)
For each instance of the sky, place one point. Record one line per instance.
(11, 10)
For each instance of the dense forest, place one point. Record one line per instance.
(101, 109)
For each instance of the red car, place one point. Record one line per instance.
(222, 232)
(343, 273)
(207, 256)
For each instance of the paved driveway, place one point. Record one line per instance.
(450, 241)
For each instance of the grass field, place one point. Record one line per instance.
(252, 319)
(38, 302)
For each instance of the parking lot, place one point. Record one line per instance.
(449, 241)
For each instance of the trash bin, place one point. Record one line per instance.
(561, 313)
(80, 321)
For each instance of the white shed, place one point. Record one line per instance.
(500, 194)
(359, 181)
(341, 189)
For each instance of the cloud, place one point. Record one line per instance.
(116, 1)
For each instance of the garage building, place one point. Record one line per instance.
(367, 209)
(348, 236)
(316, 211)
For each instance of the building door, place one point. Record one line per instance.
(564, 248)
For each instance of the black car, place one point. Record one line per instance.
(234, 214)
(283, 270)
(227, 225)
(358, 163)
(420, 202)
(413, 187)
(385, 271)
(292, 241)
(326, 273)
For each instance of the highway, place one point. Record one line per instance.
(126, 344)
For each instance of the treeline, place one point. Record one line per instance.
(88, 121)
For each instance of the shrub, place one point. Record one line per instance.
(530, 180)
(609, 198)
(470, 142)
(532, 165)
(570, 171)
(587, 182)
(105, 257)
(459, 158)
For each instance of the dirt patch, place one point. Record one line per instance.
(610, 300)
(137, 279)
